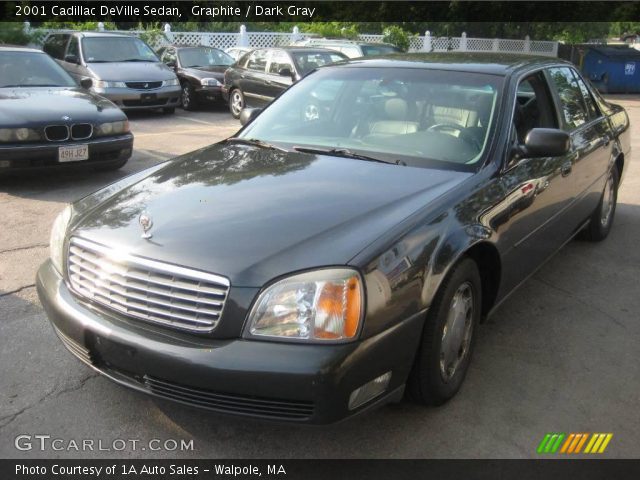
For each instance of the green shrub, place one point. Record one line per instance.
(396, 36)
(13, 33)
(331, 29)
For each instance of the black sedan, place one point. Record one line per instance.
(200, 71)
(310, 269)
(47, 120)
(261, 75)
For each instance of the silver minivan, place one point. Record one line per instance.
(121, 67)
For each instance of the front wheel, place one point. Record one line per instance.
(602, 218)
(236, 102)
(448, 336)
(188, 97)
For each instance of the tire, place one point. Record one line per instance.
(187, 97)
(169, 110)
(438, 371)
(111, 167)
(603, 216)
(236, 102)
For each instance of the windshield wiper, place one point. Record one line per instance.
(254, 142)
(136, 60)
(344, 153)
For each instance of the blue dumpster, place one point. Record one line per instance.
(613, 69)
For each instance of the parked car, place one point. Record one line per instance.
(310, 270)
(46, 120)
(264, 73)
(351, 48)
(122, 68)
(200, 71)
(237, 52)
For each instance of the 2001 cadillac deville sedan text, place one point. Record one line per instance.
(317, 265)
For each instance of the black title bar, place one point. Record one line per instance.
(304, 11)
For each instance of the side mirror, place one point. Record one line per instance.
(247, 115)
(545, 142)
(86, 83)
(285, 72)
(72, 59)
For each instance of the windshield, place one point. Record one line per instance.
(416, 116)
(31, 69)
(368, 50)
(307, 61)
(116, 49)
(203, 57)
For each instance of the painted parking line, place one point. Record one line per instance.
(175, 132)
(197, 120)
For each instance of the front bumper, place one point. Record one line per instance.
(102, 151)
(209, 94)
(131, 99)
(271, 380)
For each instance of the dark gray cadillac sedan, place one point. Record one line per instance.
(316, 266)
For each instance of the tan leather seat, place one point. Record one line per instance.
(397, 112)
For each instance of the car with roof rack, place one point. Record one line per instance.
(351, 48)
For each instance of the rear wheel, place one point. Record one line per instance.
(602, 217)
(448, 337)
(236, 102)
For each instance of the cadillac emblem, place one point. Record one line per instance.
(146, 223)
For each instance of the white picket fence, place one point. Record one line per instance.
(426, 43)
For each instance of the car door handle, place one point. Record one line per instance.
(566, 168)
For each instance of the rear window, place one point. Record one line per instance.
(307, 61)
(370, 50)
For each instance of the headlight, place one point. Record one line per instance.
(19, 135)
(112, 128)
(106, 84)
(210, 82)
(318, 306)
(58, 232)
(174, 82)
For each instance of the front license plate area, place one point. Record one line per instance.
(148, 97)
(75, 153)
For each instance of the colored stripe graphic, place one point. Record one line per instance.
(573, 443)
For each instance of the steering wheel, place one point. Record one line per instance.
(443, 127)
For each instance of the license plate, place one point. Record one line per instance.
(75, 153)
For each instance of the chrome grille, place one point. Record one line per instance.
(146, 289)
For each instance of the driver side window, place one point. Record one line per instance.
(534, 107)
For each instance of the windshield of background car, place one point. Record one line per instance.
(203, 57)
(369, 50)
(31, 69)
(307, 61)
(116, 49)
(421, 117)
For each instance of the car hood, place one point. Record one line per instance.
(253, 215)
(216, 72)
(33, 106)
(131, 71)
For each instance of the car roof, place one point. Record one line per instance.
(180, 47)
(491, 63)
(93, 34)
(19, 48)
